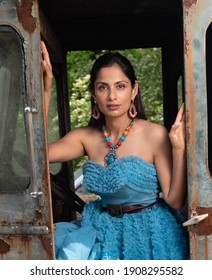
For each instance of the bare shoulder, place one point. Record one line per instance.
(83, 131)
(154, 133)
(152, 128)
(89, 137)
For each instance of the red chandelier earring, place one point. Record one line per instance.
(96, 112)
(132, 110)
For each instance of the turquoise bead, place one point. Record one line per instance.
(110, 159)
(107, 139)
(114, 147)
(122, 138)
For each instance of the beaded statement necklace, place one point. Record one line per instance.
(111, 155)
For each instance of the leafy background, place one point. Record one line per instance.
(147, 65)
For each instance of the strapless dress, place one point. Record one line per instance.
(154, 233)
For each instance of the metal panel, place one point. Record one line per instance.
(197, 18)
(26, 226)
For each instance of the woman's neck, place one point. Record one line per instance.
(116, 126)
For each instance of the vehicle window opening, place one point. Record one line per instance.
(14, 161)
(53, 125)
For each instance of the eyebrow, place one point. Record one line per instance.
(115, 82)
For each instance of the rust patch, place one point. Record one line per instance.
(27, 242)
(4, 247)
(186, 45)
(47, 244)
(26, 238)
(206, 249)
(203, 228)
(189, 3)
(193, 246)
(38, 215)
(24, 12)
(188, 134)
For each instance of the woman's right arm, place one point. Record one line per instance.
(70, 146)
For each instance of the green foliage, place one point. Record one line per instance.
(147, 65)
(53, 125)
(80, 102)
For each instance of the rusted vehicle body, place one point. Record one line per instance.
(25, 207)
(197, 54)
(32, 197)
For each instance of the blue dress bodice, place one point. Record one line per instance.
(129, 180)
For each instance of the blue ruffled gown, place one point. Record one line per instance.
(152, 234)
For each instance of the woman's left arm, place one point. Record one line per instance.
(171, 164)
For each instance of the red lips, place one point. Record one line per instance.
(113, 107)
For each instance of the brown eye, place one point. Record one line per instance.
(101, 87)
(121, 86)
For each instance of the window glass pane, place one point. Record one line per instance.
(53, 125)
(4, 97)
(14, 163)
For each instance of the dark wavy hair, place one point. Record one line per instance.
(107, 60)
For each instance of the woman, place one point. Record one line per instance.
(131, 161)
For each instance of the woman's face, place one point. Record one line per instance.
(113, 91)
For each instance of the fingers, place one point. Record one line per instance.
(44, 52)
(177, 132)
(177, 135)
(45, 57)
(180, 114)
(46, 68)
(175, 125)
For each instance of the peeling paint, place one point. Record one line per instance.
(24, 12)
(189, 3)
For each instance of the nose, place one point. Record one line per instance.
(112, 94)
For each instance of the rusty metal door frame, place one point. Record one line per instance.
(197, 18)
(32, 237)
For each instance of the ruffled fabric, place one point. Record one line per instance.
(152, 234)
(155, 233)
(131, 171)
